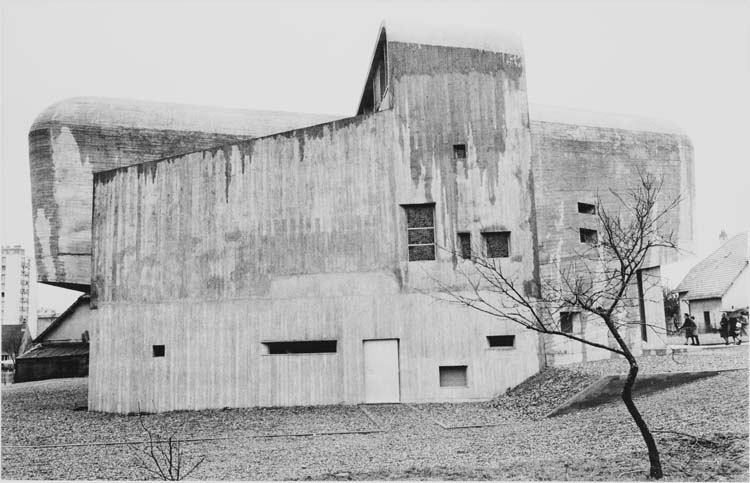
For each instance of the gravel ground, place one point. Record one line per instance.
(600, 443)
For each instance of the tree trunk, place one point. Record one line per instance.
(627, 398)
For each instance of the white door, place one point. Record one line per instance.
(381, 371)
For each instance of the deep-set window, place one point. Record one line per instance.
(453, 376)
(158, 350)
(497, 244)
(420, 225)
(459, 151)
(501, 340)
(586, 208)
(464, 245)
(300, 347)
(566, 322)
(589, 236)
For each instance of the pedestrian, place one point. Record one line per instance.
(694, 336)
(743, 326)
(734, 330)
(724, 328)
(688, 332)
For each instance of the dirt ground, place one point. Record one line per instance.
(701, 429)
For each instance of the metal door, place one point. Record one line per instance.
(381, 371)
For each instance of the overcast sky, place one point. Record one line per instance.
(686, 62)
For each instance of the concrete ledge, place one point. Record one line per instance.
(609, 388)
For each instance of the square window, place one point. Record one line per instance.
(501, 340)
(453, 376)
(459, 151)
(589, 236)
(464, 245)
(158, 350)
(586, 208)
(420, 228)
(497, 244)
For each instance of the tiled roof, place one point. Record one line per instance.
(57, 350)
(713, 276)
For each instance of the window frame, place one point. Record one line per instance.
(486, 245)
(410, 229)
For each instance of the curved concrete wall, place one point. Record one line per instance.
(77, 137)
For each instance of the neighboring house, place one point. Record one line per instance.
(62, 349)
(719, 283)
(297, 262)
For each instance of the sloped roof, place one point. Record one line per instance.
(83, 299)
(713, 276)
(57, 350)
(134, 114)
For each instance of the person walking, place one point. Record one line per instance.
(694, 335)
(688, 332)
(724, 328)
(734, 330)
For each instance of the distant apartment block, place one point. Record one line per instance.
(15, 285)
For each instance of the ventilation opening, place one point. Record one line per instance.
(589, 236)
(301, 347)
(158, 350)
(453, 376)
(497, 244)
(586, 208)
(464, 245)
(501, 340)
(459, 151)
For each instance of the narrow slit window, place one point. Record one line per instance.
(464, 245)
(158, 350)
(453, 376)
(301, 347)
(459, 151)
(497, 244)
(566, 322)
(420, 226)
(502, 340)
(586, 208)
(589, 236)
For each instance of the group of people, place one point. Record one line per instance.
(728, 327)
(732, 327)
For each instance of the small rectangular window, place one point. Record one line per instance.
(586, 208)
(301, 347)
(497, 244)
(501, 340)
(453, 376)
(464, 245)
(566, 322)
(420, 226)
(589, 236)
(459, 151)
(158, 350)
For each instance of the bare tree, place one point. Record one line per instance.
(13, 343)
(598, 281)
(163, 459)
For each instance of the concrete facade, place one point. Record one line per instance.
(203, 263)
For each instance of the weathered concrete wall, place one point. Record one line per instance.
(446, 96)
(298, 236)
(574, 163)
(75, 138)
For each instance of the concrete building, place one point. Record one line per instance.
(15, 285)
(719, 283)
(298, 265)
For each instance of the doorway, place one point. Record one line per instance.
(381, 371)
